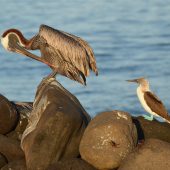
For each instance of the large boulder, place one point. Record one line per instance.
(55, 127)
(15, 117)
(74, 164)
(8, 115)
(152, 129)
(154, 154)
(108, 139)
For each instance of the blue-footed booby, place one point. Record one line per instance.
(150, 102)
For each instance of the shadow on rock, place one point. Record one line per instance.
(152, 129)
(12, 125)
(15, 165)
(8, 116)
(3, 160)
(56, 125)
(10, 148)
(154, 154)
(74, 164)
(23, 109)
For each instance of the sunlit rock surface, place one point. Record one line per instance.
(55, 127)
(108, 139)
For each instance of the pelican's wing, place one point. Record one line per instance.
(90, 53)
(155, 104)
(72, 49)
(68, 70)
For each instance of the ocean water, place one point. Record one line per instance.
(130, 39)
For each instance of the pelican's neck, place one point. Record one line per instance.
(23, 41)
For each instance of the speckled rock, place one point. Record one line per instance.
(3, 160)
(71, 164)
(152, 129)
(56, 126)
(15, 165)
(8, 115)
(154, 154)
(10, 148)
(108, 139)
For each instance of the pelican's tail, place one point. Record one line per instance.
(70, 71)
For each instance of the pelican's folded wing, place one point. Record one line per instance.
(73, 49)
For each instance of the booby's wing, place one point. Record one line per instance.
(155, 104)
(72, 49)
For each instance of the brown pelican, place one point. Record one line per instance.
(65, 53)
(150, 102)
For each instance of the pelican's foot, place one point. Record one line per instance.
(52, 75)
(150, 118)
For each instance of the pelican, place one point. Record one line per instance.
(64, 53)
(150, 102)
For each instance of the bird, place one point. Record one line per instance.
(150, 102)
(64, 53)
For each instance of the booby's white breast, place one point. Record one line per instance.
(140, 95)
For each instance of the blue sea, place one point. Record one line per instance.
(130, 39)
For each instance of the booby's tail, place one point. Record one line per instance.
(167, 119)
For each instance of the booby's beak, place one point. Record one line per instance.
(133, 81)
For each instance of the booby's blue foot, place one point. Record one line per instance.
(150, 118)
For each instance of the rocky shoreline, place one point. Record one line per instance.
(56, 133)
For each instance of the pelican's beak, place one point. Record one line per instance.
(133, 80)
(21, 50)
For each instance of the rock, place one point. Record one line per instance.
(15, 165)
(8, 115)
(154, 154)
(74, 164)
(24, 109)
(10, 148)
(152, 129)
(108, 139)
(56, 125)
(3, 161)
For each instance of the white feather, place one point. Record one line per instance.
(140, 95)
(4, 42)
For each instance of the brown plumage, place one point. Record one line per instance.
(150, 102)
(65, 53)
(155, 104)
